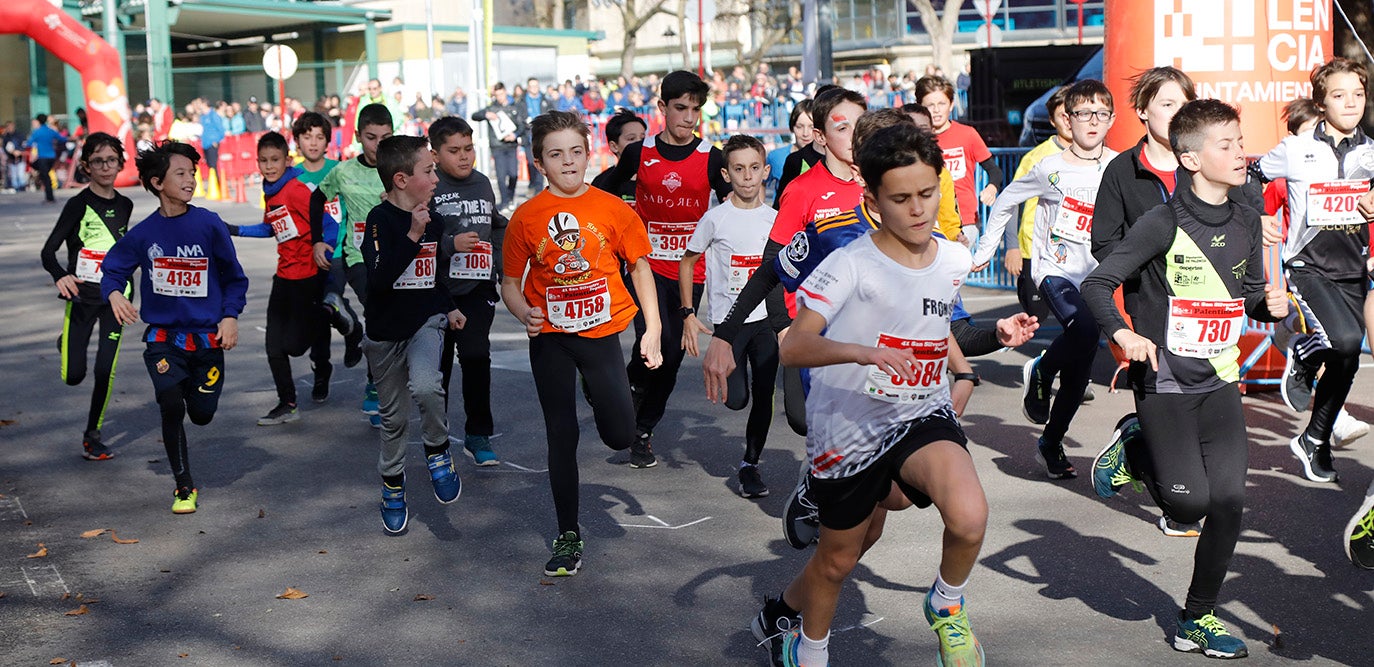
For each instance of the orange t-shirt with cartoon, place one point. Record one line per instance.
(573, 247)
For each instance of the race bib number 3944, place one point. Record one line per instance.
(669, 239)
(929, 370)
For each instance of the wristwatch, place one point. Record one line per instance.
(686, 311)
(971, 377)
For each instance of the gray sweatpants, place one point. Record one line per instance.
(414, 365)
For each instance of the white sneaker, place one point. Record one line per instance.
(1347, 429)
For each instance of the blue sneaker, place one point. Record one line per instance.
(479, 446)
(375, 421)
(791, 640)
(1206, 635)
(394, 512)
(447, 486)
(370, 401)
(1110, 471)
(958, 646)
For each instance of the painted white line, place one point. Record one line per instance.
(44, 578)
(509, 337)
(11, 509)
(523, 468)
(664, 524)
(859, 626)
(94, 663)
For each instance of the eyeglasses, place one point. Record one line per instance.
(104, 163)
(1084, 115)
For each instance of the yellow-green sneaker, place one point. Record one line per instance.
(958, 646)
(184, 501)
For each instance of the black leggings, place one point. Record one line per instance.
(1070, 355)
(1336, 318)
(187, 384)
(1028, 295)
(556, 359)
(657, 384)
(794, 399)
(80, 320)
(1194, 461)
(295, 324)
(757, 348)
(472, 344)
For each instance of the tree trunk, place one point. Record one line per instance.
(682, 33)
(940, 25)
(627, 55)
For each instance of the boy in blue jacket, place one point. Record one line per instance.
(193, 291)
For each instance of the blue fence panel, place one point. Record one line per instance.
(995, 276)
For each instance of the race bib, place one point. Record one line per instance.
(742, 268)
(474, 264)
(88, 265)
(358, 228)
(420, 273)
(1333, 203)
(1204, 328)
(929, 369)
(1074, 221)
(955, 163)
(574, 308)
(181, 276)
(669, 239)
(283, 225)
(332, 209)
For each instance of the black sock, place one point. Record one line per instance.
(431, 451)
(394, 481)
(1191, 615)
(785, 609)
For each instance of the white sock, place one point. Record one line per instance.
(813, 652)
(943, 595)
(746, 464)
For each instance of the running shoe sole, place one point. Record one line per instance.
(1188, 646)
(1301, 453)
(1026, 371)
(1289, 365)
(1040, 458)
(274, 421)
(97, 456)
(1365, 508)
(1170, 531)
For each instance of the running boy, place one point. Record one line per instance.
(1062, 256)
(732, 236)
(470, 258)
(193, 291)
(572, 239)
(1201, 266)
(1018, 257)
(962, 147)
(407, 311)
(623, 128)
(356, 185)
(675, 173)
(295, 312)
(881, 408)
(90, 224)
(1324, 255)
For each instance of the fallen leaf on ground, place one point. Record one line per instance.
(183, 655)
(546, 582)
(91, 600)
(2, 594)
(93, 533)
(57, 661)
(262, 514)
(79, 611)
(42, 551)
(8, 422)
(116, 539)
(65, 596)
(421, 597)
(338, 658)
(323, 551)
(164, 569)
(292, 594)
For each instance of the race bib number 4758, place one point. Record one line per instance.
(929, 371)
(575, 308)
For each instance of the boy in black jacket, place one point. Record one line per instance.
(407, 311)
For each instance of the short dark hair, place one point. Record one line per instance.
(311, 120)
(554, 121)
(802, 107)
(445, 127)
(900, 145)
(153, 162)
(396, 155)
(916, 108)
(374, 114)
(616, 125)
(1189, 126)
(741, 142)
(1295, 113)
(828, 100)
(1087, 90)
(878, 119)
(822, 88)
(679, 83)
(1056, 99)
(274, 140)
(98, 139)
(42, 118)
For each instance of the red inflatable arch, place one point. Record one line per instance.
(107, 98)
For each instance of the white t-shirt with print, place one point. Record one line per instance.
(731, 240)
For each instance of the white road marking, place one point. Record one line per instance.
(663, 524)
(523, 468)
(859, 626)
(11, 509)
(41, 580)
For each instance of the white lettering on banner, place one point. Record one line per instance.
(88, 263)
(181, 276)
(420, 273)
(474, 264)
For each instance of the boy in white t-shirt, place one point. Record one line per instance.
(732, 236)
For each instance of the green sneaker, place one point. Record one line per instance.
(1206, 635)
(958, 646)
(184, 501)
(1109, 468)
(567, 556)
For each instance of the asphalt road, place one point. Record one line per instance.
(675, 565)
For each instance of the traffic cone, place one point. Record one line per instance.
(212, 192)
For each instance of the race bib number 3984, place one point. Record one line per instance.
(929, 370)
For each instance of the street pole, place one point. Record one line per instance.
(429, 44)
(701, 42)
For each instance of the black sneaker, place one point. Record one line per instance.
(92, 449)
(320, 392)
(283, 413)
(567, 556)
(769, 626)
(338, 318)
(1056, 464)
(353, 347)
(751, 483)
(1035, 392)
(642, 452)
(801, 521)
(1359, 533)
(1315, 458)
(1298, 378)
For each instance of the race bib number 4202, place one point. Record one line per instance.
(929, 371)
(1333, 203)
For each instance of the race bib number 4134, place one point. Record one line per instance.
(181, 276)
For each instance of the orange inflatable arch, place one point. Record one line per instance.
(107, 98)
